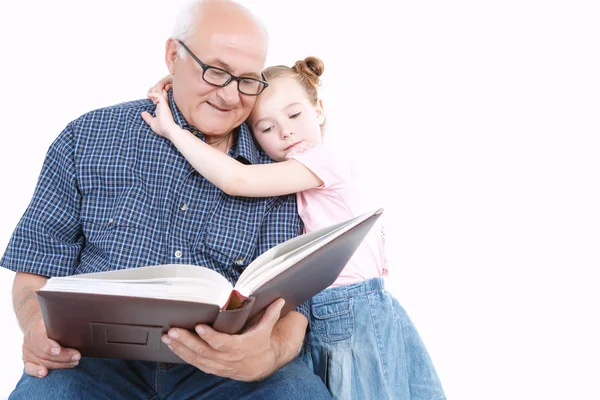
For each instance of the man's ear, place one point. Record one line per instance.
(171, 48)
(320, 111)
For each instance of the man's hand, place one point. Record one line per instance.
(39, 352)
(251, 356)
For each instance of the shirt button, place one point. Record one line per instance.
(178, 254)
(239, 261)
(110, 221)
(183, 206)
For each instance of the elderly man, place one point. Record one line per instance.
(113, 195)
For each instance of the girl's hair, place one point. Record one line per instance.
(306, 72)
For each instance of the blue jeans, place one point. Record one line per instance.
(97, 378)
(363, 345)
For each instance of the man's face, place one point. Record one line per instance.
(216, 111)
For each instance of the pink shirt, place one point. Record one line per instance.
(338, 199)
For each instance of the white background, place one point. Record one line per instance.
(478, 124)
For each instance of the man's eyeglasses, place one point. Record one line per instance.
(219, 77)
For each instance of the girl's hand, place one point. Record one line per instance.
(163, 124)
(164, 84)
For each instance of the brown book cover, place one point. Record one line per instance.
(128, 327)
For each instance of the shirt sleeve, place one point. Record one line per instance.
(329, 166)
(48, 238)
(282, 223)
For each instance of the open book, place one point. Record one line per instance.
(123, 313)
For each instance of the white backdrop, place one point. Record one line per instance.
(478, 124)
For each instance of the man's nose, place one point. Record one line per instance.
(230, 93)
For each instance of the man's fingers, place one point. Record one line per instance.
(200, 359)
(228, 348)
(270, 317)
(40, 346)
(187, 345)
(36, 370)
(40, 369)
(217, 340)
(50, 347)
(65, 359)
(41, 353)
(189, 340)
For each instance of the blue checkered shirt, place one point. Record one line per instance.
(113, 195)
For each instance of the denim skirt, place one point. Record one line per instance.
(363, 345)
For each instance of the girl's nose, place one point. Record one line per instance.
(287, 133)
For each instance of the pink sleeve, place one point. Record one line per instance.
(327, 165)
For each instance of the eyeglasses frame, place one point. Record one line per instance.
(232, 77)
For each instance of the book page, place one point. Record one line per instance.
(151, 272)
(171, 281)
(273, 256)
(302, 246)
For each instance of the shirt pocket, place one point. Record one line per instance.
(116, 228)
(231, 234)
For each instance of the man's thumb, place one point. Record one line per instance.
(273, 312)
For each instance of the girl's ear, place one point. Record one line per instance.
(320, 111)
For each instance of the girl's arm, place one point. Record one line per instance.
(229, 175)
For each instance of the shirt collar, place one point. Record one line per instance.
(243, 148)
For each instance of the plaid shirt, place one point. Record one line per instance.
(113, 195)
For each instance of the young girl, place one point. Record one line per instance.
(361, 342)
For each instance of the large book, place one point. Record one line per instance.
(124, 313)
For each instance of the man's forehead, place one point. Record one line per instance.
(233, 53)
(248, 45)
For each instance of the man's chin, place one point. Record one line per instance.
(217, 126)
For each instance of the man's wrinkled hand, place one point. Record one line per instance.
(41, 354)
(250, 356)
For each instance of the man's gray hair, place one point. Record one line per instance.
(188, 17)
(186, 22)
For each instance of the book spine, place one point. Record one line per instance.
(233, 321)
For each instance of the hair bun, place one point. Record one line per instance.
(311, 67)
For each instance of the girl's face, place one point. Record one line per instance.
(284, 117)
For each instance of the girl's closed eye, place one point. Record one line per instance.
(295, 115)
(267, 130)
